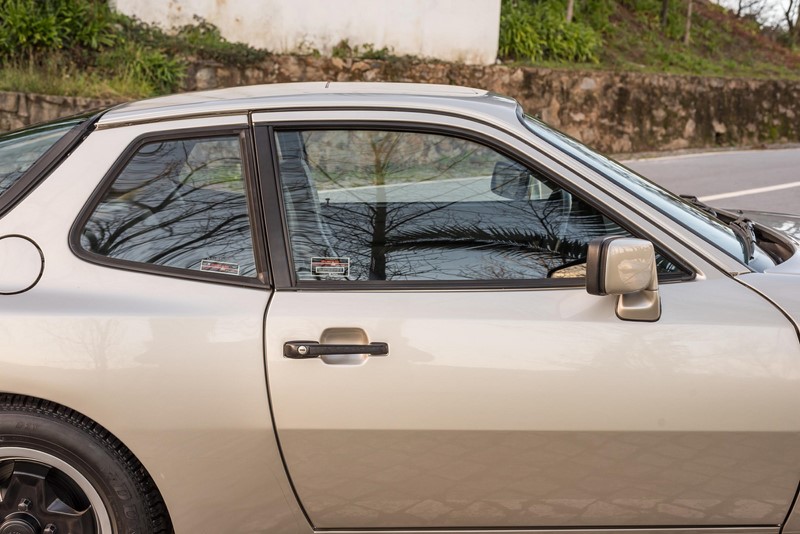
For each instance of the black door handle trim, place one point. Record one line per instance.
(301, 350)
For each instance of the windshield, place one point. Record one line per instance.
(19, 150)
(696, 220)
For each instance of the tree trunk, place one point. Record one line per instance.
(570, 9)
(687, 36)
(792, 19)
(664, 12)
(797, 23)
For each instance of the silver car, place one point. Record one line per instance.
(381, 308)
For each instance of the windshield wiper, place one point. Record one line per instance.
(697, 203)
(741, 225)
(744, 228)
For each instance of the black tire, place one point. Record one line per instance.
(61, 457)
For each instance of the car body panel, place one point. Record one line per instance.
(783, 222)
(719, 530)
(173, 368)
(490, 410)
(792, 524)
(307, 95)
(358, 459)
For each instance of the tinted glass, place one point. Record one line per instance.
(178, 204)
(696, 220)
(21, 149)
(387, 205)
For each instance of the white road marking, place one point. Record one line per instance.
(753, 191)
(673, 157)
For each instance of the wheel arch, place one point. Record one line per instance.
(94, 429)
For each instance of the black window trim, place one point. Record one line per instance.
(244, 134)
(47, 163)
(277, 227)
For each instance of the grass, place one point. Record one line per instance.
(73, 83)
(721, 44)
(633, 39)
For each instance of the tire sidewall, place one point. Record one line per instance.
(85, 452)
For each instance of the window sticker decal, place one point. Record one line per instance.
(216, 266)
(330, 267)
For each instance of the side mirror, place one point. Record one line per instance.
(625, 267)
(510, 180)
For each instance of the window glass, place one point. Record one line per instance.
(389, 205)
(178, 203)
(698, 221)
(21, 149)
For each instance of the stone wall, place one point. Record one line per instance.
(18, 110)
(614, 112)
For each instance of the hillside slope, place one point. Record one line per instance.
(632, 38)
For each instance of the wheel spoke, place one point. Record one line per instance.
(9, 488)
(78, 522)
(57, 506)
(25, 481)
(65, 505)
(52, 497)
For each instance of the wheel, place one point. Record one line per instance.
(62, 473)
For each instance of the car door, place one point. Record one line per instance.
(434, 359)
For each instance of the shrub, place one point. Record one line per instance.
(200, 39)
(29, 28)
(142, 66)
(84, 40)
(344, 50)
(539, 32)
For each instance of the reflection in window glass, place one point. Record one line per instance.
(385, 205)
(178, 204)
(696, 220)
(20, 150)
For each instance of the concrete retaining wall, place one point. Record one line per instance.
(450, 30)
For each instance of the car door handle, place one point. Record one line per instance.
(301, 350)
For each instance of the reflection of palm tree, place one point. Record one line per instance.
(519, 233)
(416, 239)
(388, 160)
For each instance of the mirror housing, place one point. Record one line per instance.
(510, 180)
(625, 267)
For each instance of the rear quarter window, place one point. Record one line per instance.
(179, 203)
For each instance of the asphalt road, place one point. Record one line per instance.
(764, 180)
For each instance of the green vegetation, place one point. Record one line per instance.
(539, 31)
(82, 47)
(631, 35)
(343, 49)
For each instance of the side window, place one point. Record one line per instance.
(391, 205)
(177, 203)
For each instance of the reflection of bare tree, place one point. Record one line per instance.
(432, 237)
(176, 203)
(387, 158)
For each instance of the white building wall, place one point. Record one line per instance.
(451, 30)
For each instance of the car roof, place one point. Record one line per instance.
(306, 95)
